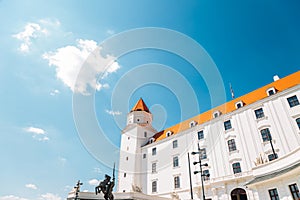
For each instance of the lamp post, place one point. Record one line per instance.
(77, 189)
(201, 172)
(273, 150)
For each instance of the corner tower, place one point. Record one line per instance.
(135, 135)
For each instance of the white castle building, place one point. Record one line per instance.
(250, 144)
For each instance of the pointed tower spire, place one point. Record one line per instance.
(140, 106)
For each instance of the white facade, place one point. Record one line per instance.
(160, 167)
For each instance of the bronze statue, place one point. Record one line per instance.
(106, 186)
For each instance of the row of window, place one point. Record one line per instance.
(292, 101)
(175, 164)
(174, 145)
(259, 113)
(273, 193)
(265, 134)
(176, 181)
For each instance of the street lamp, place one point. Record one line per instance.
(201, 172)
(269, 137)
(77, 189)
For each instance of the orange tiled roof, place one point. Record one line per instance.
(140, 106)
(256, 95)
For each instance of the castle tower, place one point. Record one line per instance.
(135, 135)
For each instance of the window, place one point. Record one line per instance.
(272, 156)
(124, 175)
(259, 113)
(266, 135)
(271, 91)
(293, 101)
(145, 134)
(144, 155)
(175, 144)
(294, 191)
(231, 145)
(127, 158)
(236, 168)
(200, 135)
(169, 133)
(151, 140)
(298, 122)
(216, 114)
(273, 194)
(193, 123)
(154, 167)
(176, 182)
(175, 161)
(154, 151)
(239, 104)
(203, 154)
(154, 186)
(227, 125)
(206, 175)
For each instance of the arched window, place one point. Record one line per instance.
(169, 133)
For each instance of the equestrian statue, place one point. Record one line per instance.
(106, 186)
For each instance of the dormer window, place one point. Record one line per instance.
(151, 140)
(193, 123)
(239, 104)
(216, 114)
(169, 133)
(271, 91)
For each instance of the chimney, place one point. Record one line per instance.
(276, 78)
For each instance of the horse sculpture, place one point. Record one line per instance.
(106, 187)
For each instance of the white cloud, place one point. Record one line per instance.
(113, 113)
(31, 186)
(35, 130)
(68, 188)
(50, 196)
(11, 197)
(35, 30)
(50, 22)
(45, 138)
(62, 160)
(37, 133)
(93, 182)
(69, 60)
(54, 92)
(97, 170)
(31, 31)
(110, 31)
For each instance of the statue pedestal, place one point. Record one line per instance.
(117, 196)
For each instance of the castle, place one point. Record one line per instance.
(250, 147)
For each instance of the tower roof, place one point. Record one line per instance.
(140, 106)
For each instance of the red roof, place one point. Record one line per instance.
(140, 106)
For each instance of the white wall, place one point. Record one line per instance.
(279, 118)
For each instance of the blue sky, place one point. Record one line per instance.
(43, 47)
